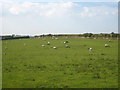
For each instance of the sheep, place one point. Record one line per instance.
(65, 42)
(67, 46)
(54, 47)
(48, 43)
(43, 45)
(106, 45)
(109, 40)
(90, 49)
(56, 38)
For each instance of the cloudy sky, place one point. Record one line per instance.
(34, 17)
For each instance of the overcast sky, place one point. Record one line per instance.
(34, 17)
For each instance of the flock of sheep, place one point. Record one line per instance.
(67, 46)
(48, 43)
(54, 47)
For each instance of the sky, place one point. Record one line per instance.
(36, 17)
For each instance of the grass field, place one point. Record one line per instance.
(34, 66)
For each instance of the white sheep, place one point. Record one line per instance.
(106, 45)
(109, 40)
(90, 49)
(54, 47)
(67, 46)
(65, 42)
(43, 45)
(48, 43)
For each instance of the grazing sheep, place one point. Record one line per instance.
(67, 46)
(43, 45)
(54, 47)
(48, 43)
(109, 40)
(56, 38)
(90, 49)
(65, 42)
(106, 45)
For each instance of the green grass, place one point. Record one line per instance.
(34, 66)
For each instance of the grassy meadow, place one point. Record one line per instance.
(26, 64)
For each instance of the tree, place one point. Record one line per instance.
(112, 34)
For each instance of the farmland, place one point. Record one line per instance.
(34, 66)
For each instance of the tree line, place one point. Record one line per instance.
(90, 35)
(84, 35)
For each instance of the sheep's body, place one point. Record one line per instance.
(109, 40)
(90, 49)
(43, 45)
(67, 46)
(54, 47)
(106, 45)
(48, 43)
(65, 42)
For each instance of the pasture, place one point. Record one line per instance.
(26, 64)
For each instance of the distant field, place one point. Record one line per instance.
(26, 64)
